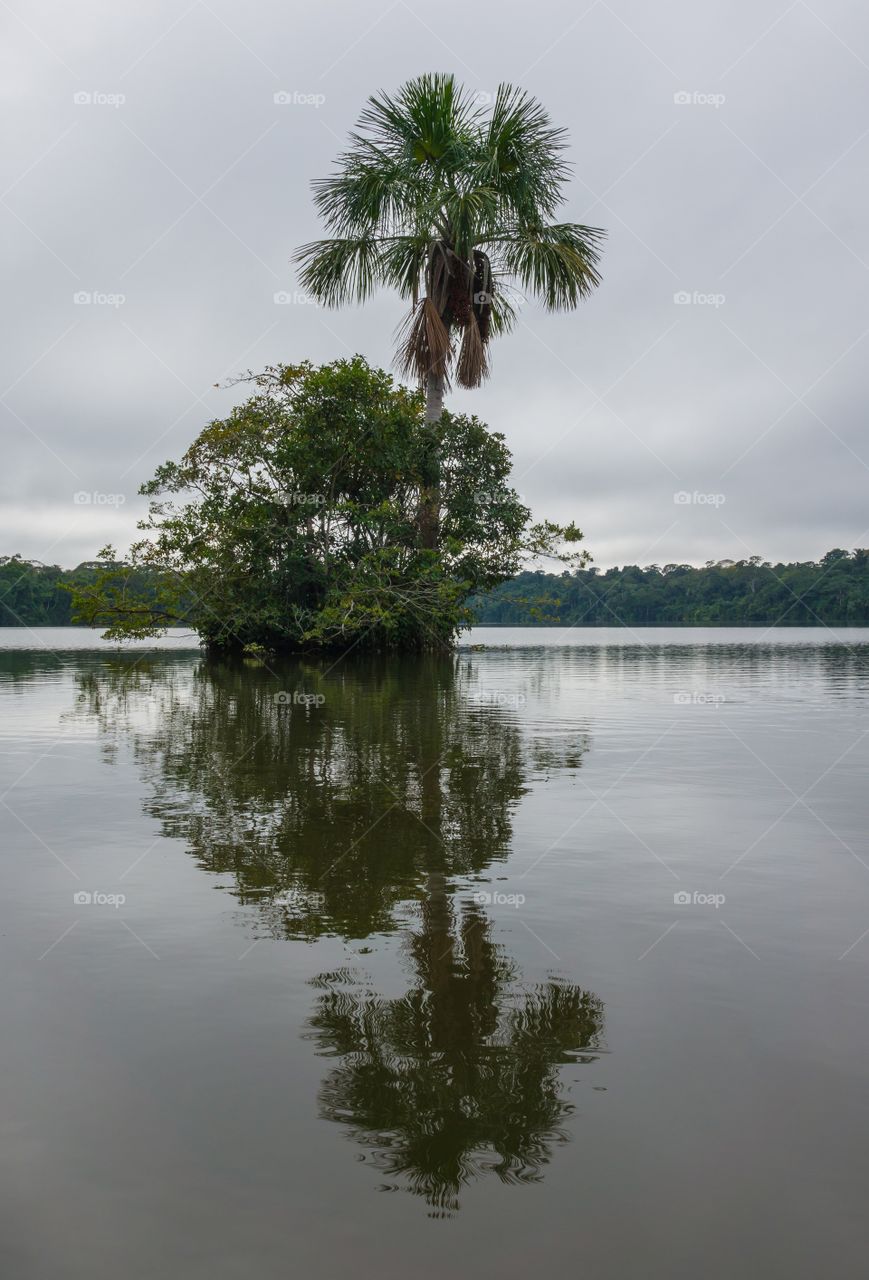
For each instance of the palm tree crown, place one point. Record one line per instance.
(453, 206)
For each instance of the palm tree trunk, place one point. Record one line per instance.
(430, 491)
(434, 397)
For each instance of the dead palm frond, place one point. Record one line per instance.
(423, 342)
(472, 365)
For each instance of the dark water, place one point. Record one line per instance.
(385, 970)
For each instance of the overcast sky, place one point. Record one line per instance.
(724, 145)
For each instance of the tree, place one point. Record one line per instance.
(448, 204)
(291, 524)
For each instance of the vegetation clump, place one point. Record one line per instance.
(294, 523)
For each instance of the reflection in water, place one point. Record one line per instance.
(328, 815)
(330, 812)
(458, 1077)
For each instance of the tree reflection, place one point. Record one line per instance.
(326, 815)
(459, 1077)
(343, 813)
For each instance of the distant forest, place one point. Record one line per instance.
(33, 595)
(835, 590)
(740, 593)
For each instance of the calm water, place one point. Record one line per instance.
(385, 968)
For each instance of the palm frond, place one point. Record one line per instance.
(403, 262)
(520, 154)
(428, 120)
(503, 315)
(467, 213)
(423, 343)
(342, 270)
(472, 366)
(371, 190)
(558, 262)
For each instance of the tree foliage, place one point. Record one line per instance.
(742, 593)
(292, 523)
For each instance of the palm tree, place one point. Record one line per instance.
(452, 206)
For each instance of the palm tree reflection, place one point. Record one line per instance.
(458, 1077)
(340, 819)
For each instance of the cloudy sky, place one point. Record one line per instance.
(707, 403)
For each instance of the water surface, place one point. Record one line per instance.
(545, 957)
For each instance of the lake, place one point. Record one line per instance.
(545, 957)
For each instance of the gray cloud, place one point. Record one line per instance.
(724, 146)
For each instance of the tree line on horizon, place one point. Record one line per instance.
(750, 592)
(832, 590)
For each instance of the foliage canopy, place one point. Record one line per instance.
(292, 523)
